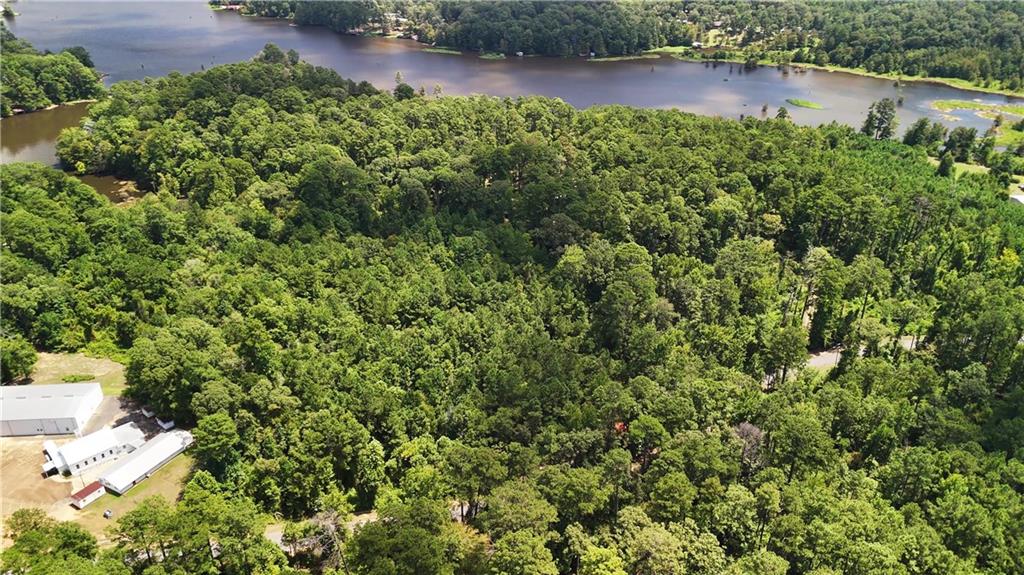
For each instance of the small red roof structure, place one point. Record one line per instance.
(87, 491)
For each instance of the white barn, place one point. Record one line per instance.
(98, 447)
(57, 409)
(87, 495)
(133, 468)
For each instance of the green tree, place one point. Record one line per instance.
(797, 441)
(960, 143)
(517, 506)
(216, 442)
(672, 497)
(522, 553)
(17, 357)
(881, 121)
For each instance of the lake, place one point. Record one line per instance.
(132, 40)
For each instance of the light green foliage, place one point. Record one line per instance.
(522, 553)
(804, 103)
(16, 358)
(517, 506)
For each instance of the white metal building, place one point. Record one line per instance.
(98, 447)
(133, 468)
(47, 409)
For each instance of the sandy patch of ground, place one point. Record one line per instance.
(21, 480)
(54, 367)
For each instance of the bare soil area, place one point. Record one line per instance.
(21, 481)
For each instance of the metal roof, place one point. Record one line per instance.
(146, 459)
(87, 491)
(57, 401)
(100, 441)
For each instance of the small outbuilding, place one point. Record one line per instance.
(87, 495)
(135, 467)
(57, 409)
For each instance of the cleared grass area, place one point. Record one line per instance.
(644, 56)
(804, 103)
(717, 37)
(167, 482)
(440, 50)
(968, 85)
(671, 50)
(950, 105)
(72, 367)
(1007, 136)
(492, 56)
(960, 168)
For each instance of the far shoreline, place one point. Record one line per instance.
(670, 51)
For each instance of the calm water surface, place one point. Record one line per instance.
(132, 40)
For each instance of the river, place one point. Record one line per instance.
(133, 40)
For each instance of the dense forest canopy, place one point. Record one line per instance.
(582, 333)
(30, 80)
(971, 40)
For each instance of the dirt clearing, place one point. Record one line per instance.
(21, 481)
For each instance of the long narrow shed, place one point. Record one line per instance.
(133, 468)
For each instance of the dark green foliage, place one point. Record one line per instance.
(925, 133)
(32, 80)
(881, 121)
(582, 334)
(960, 143)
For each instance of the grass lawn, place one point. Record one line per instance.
(77, 367)
(644, 56)
(492, 56)
(167, 482)
(950, 105)
(440, 50)
(1007, 136)
(805, 103)
(671, 50)
(954, 82)
(962, 168)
